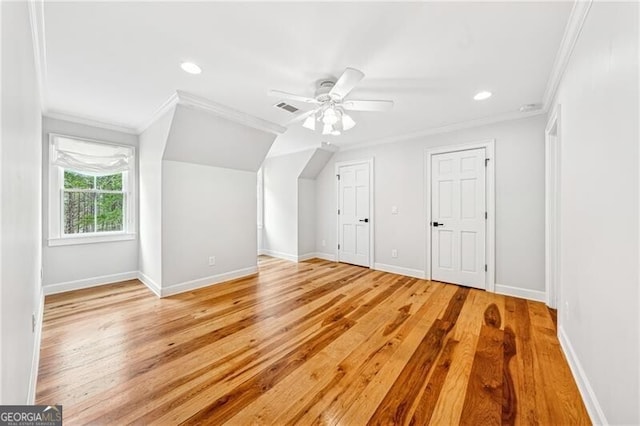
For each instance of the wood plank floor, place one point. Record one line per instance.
(309, 343)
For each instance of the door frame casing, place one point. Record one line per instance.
(338, 164)
(552, 223)
(490, 189)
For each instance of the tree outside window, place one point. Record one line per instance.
(93, 203)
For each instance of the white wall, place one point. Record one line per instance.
(598, 311)
(306, 217)
(206, 211)
(152, 144)
(20, 211)
(200, 137)
(399, 181)
(316, 163)
(84, 264)
(209, 198)
(198, 199)
(280, 233)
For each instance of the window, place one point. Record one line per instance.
(92, 203)
(91, 191)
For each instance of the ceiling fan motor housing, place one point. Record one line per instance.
(323, 89)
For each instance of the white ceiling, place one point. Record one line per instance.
(118, 62)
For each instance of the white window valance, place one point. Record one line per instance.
(89, 157)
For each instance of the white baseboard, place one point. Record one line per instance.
(415, 273)
(207, 281)
(326, 256)
(89, 282)
(297, 258)
(523, 293)
(586, 391)
(280, 255)
(35, 360)
(151, 284)
(303, 257)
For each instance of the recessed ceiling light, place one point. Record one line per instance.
(190, 67)
(481, 96)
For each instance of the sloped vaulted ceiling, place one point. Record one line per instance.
(200, 137)
(207, 133)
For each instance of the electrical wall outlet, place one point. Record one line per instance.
(212, 261)
(324, 243)
(394, 209)
(394, 253)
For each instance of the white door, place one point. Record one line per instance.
(353, 214)
(458, 217)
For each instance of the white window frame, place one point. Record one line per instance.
(57, 237)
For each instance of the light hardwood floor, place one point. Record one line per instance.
(309, 343)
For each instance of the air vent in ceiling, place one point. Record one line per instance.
(285, 106)
(530, 107)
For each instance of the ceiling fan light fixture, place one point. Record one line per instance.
(330, 117)
(310, 123)
(347, 122)
(331, 104)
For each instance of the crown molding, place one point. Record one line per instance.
(572, 31)
(166, 106)
(190, 100)
(510, 116)
(194, 101)
(36, 18)
(293, 151)
(88, 121)
(323, 146)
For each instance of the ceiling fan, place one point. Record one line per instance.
(332, 107)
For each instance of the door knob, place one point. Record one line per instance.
(436, 224)
(364, 220)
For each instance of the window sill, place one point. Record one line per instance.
(90, 239)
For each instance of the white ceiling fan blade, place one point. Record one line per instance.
(355, 105)
(291, 96)
(347, 81)
(301, 117)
